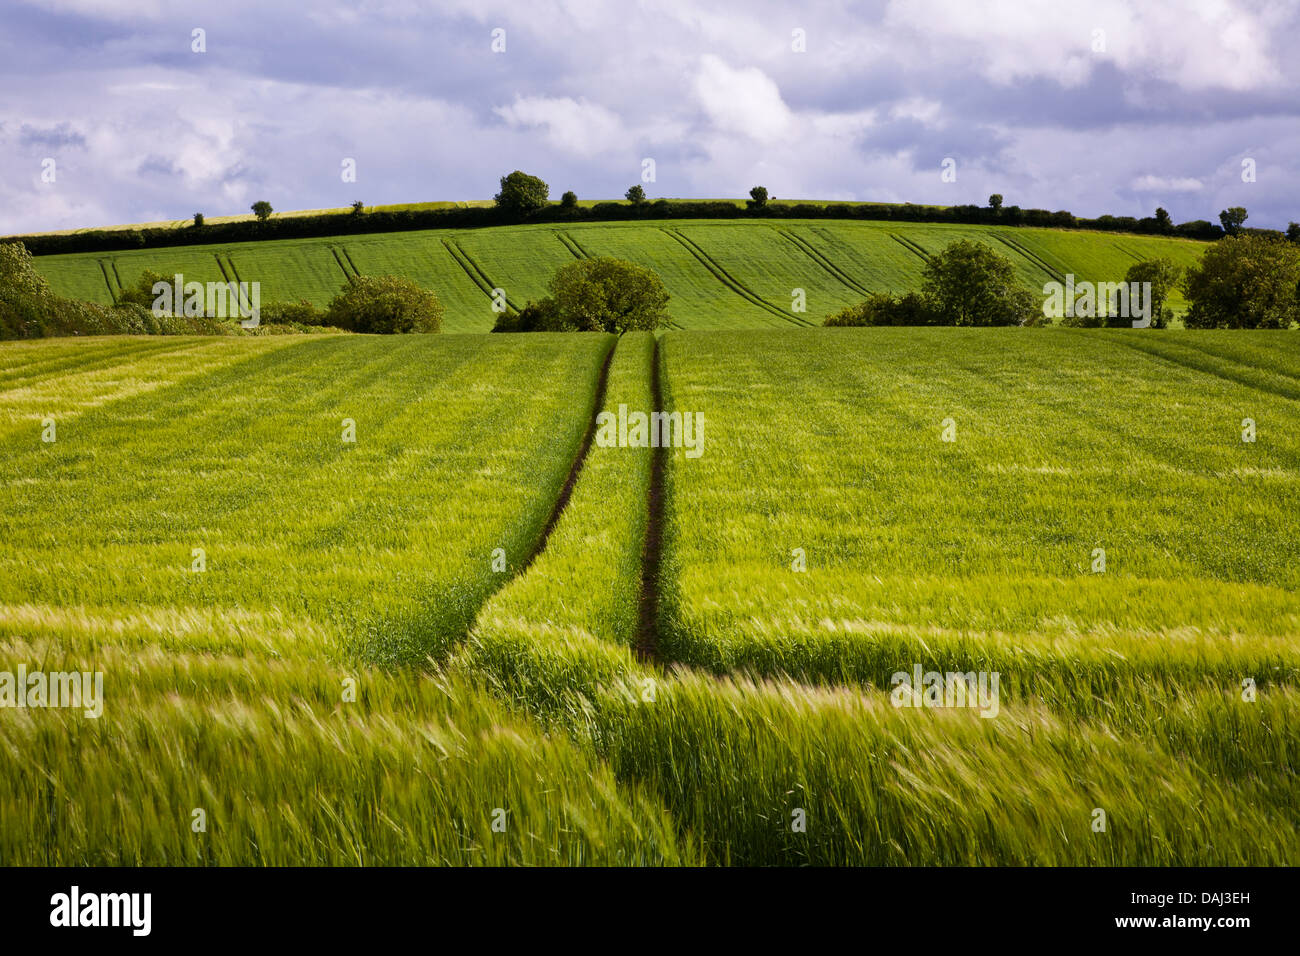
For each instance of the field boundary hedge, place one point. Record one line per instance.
(380, 221)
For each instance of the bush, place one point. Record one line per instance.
(543, 316)
(569, 200)
(198, 220)
(881, 308)
(1244, 281)
(521, 194)
(970, 284)
(385, 305)
(594, 295)
(757, 197)
(605, 294)
(301, 312)
(141, 293)
(17, 274)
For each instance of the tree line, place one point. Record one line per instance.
(524, 198)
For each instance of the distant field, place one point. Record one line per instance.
(722, 274)
(669, 659)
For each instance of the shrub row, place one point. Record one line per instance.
(351, 223)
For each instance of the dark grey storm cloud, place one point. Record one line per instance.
(1109, 106)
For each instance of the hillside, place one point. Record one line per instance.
(722, 274)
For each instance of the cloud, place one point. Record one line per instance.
(1197, 44)
(1168, 184)
(743, 100)
(576, 126)
(713, 91)
(55, 137)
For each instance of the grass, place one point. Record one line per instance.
(415, 771)
(248, 463)
(982, 548)
(721, 274)
(762, 700)
(565, 628)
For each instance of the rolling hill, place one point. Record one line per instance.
(722, 274)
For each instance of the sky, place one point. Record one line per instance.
(117, 111)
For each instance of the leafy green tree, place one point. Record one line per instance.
(358, 208)
(1164, 222)
(521, 194)
(995, 202)
(141, 293)
(636, 195)
(1163, 276)
(1232, 218)
(569, 200)
(198, 220)
(18, 273)
(1293, 232)
(604, 294)
(385, 305)
(757, 197)
(29, 309)
(970, 284)
(262, 210)
(1244, 282)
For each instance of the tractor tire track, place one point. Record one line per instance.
(347, 273)
(912, 247)
(1031, 257)
(572, 245)
(816, 255)
(575, 470)
(730, 281)
(647, 632)
(475, 272)
(108, 281)
(221, 266)
(348, 256)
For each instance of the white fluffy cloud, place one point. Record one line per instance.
(742, 100)
(576, 126)
(1198, 44)
(1168, 184)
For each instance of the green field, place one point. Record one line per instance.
(721, 274)
(474, 635)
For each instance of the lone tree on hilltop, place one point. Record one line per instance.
(521, 194)
(1232, 218)
(262, 210)
(995, 202)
